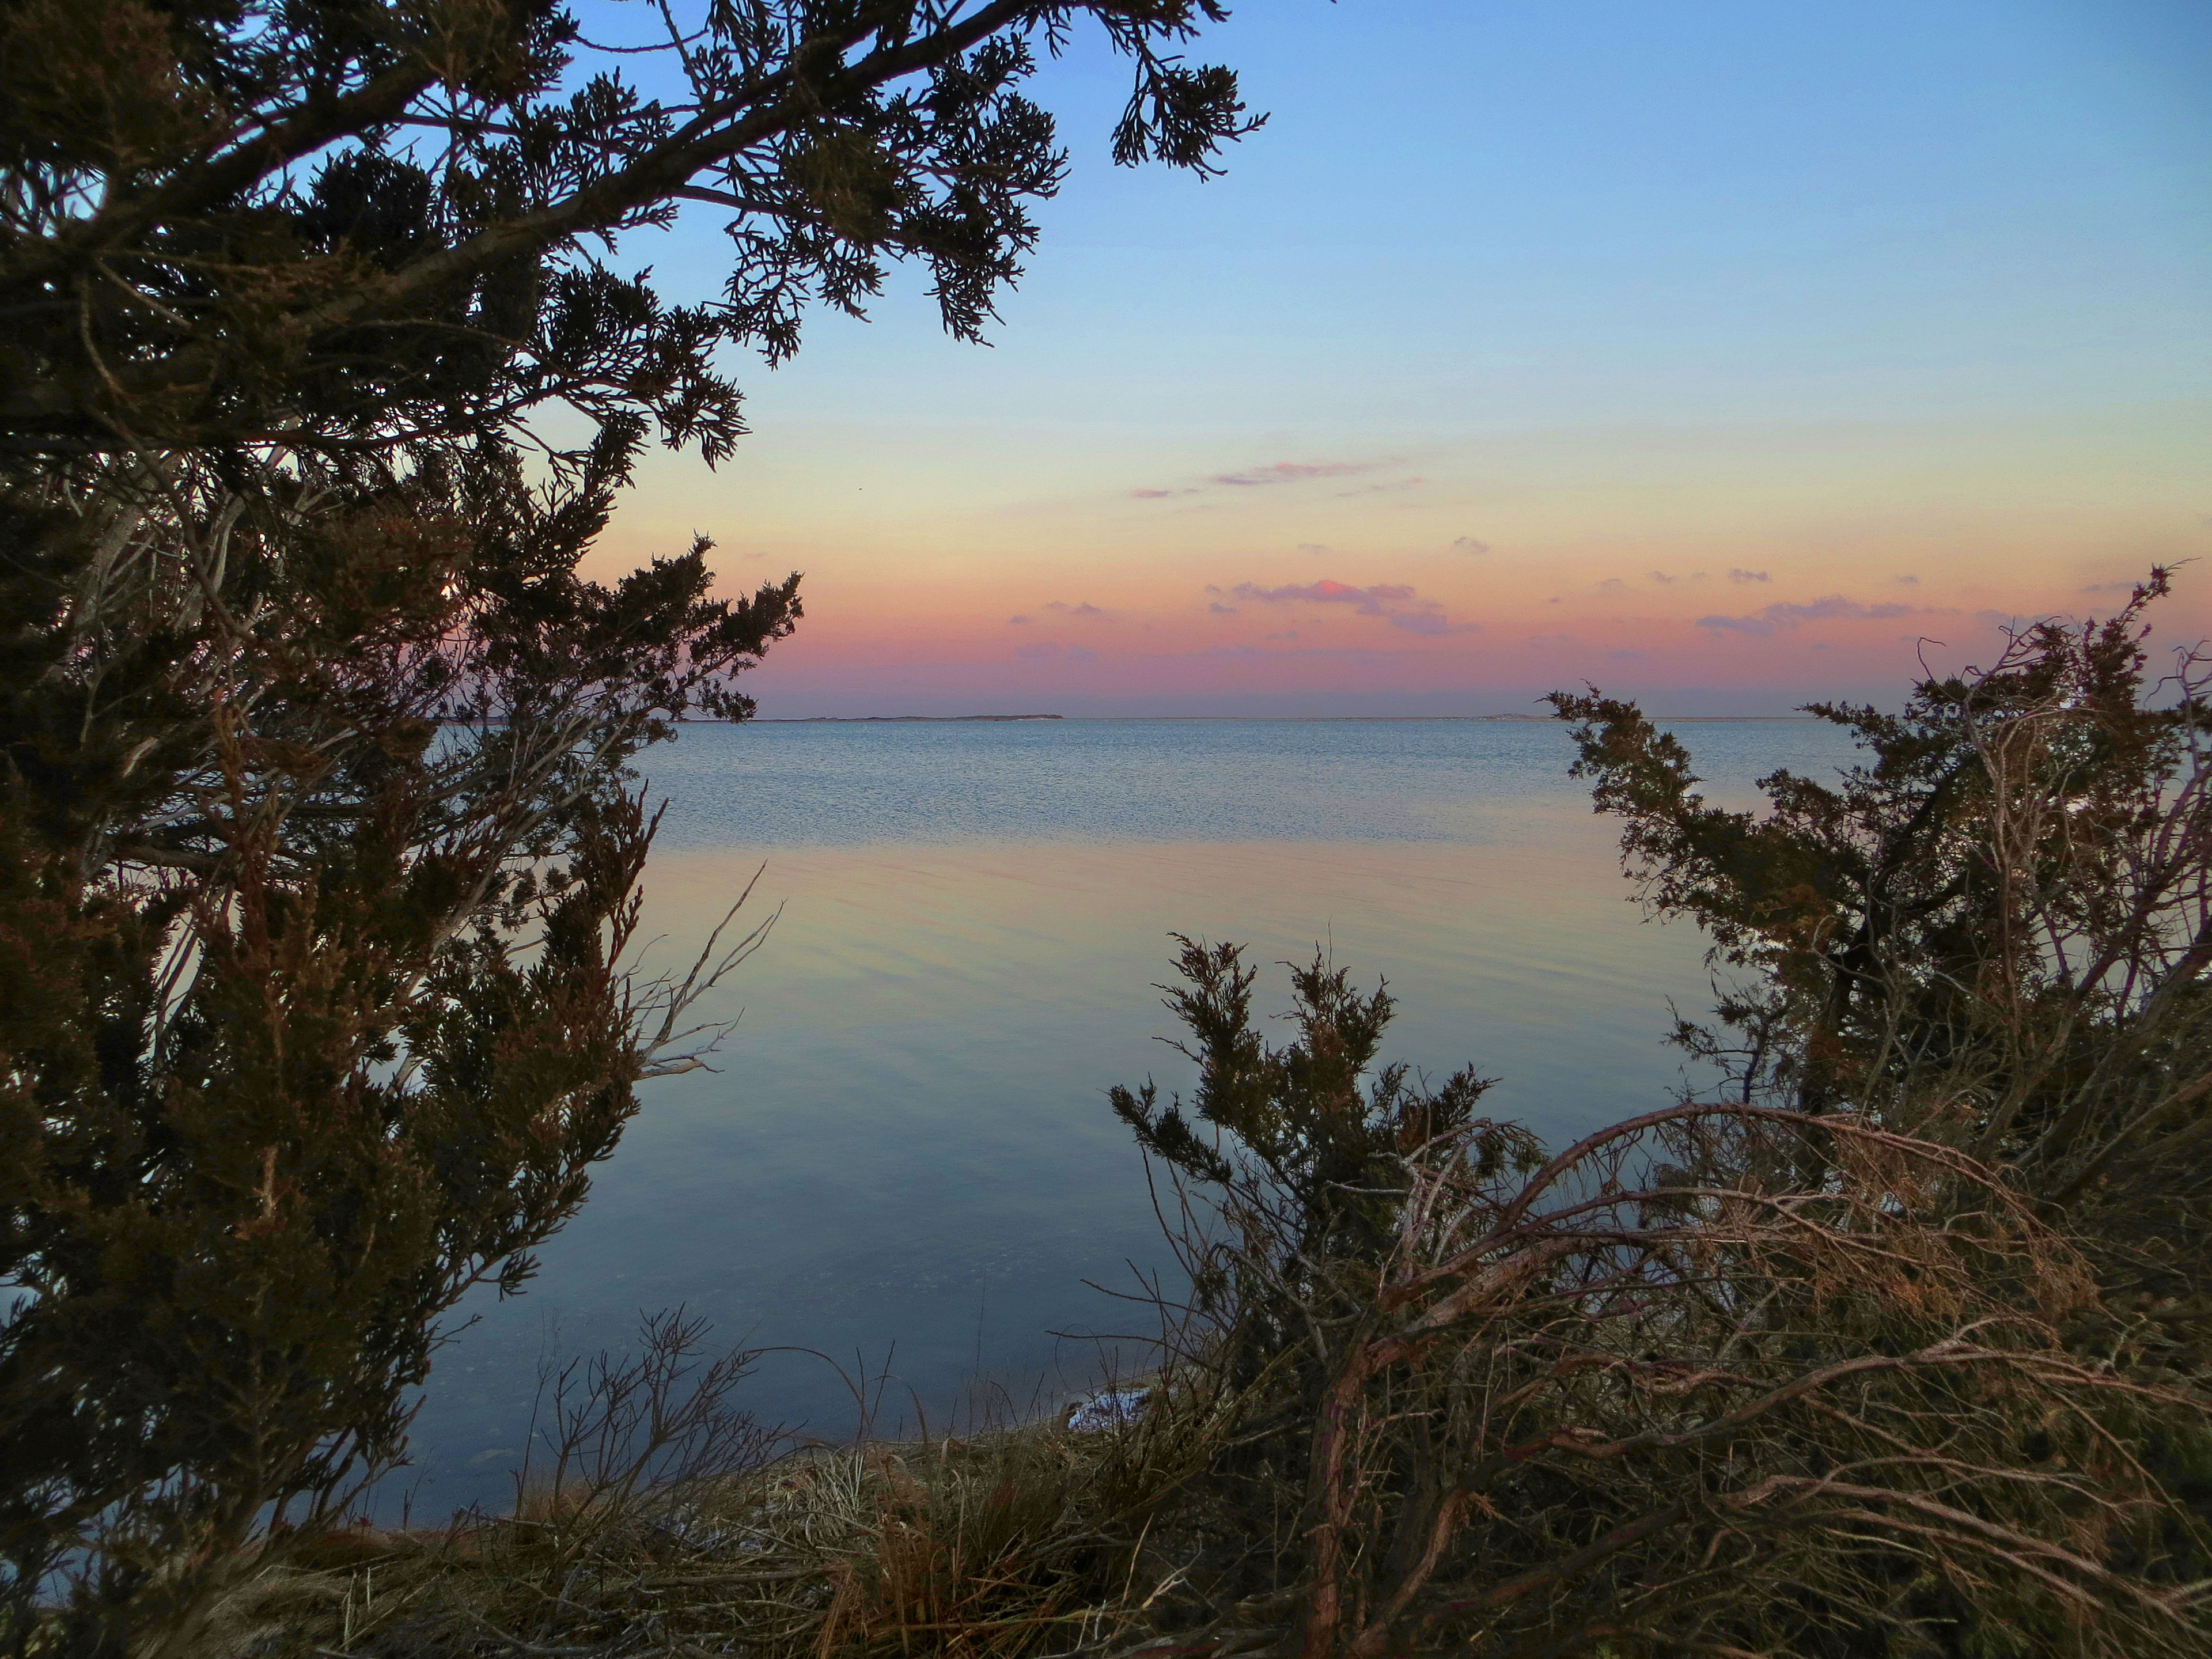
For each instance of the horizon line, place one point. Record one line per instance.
(1010, 719)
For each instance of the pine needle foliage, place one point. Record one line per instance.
(334, 226)
(322, 869)
(1720, 1377)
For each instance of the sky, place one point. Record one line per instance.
(1724, 355)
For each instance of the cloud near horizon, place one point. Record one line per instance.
(1396, 603)
(1281, 473)
(1052, 650)
(1761, 624)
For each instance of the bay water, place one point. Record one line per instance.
(904, 1160)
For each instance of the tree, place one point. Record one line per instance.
(334, 226)
(322, 849)
(315, 1008)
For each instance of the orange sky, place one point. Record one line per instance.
(1725, 570)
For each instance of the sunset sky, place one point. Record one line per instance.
(1717, 353)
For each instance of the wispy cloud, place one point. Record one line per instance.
(1291, 472)
(1368, 601)
(1282, 472)
(1663, 579)
(1775, 617)
(1429, 622)
(1396, 603)
(1468, 544)
(1085, 609)
(1390, 489)
(1740, 576)
(1052, 650)
(1907, 581)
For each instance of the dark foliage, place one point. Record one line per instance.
(331, 226)
(1315, 1119)
(1995, 932)
(322, 867)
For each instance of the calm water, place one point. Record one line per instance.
(906, 1151)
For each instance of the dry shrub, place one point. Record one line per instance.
(979, 1554)
(1649, 1411)
(1723, 1377)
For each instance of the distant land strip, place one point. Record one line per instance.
(1292, 719)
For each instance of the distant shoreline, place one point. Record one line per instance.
(1291, 719)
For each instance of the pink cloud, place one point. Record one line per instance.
(1834, 607)
(1370, 600)
(1291, 472)
(1397, 603)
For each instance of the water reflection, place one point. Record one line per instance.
(907, 1142)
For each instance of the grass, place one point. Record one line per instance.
(1018, 1540)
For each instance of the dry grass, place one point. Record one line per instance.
(1020, 1540)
